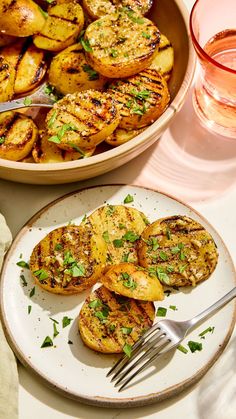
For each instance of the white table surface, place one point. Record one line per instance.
(197, 167)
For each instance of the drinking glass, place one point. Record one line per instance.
(213, 32)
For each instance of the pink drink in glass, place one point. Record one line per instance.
(213, 31)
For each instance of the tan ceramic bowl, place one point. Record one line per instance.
(171, 18)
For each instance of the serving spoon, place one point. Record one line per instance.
(37, 99)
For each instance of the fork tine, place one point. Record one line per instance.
(138, 344)
(148, 344)
(156, 354)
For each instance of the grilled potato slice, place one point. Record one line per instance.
(6, 39)
(45, 151)
(163, 60)
(108, 321)
(69, 72)
(122, 136)
(121, 44)
(142, 98)
(133, 281)
(29, 63)
(120, 227)
(17, 135)
(179, 250)
(62, 26)
(7, 77)
(82, 119)
(21, 17)
(100, 8)
(68, 260)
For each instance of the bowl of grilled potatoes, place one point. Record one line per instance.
(109, 77)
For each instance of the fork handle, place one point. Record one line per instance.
(18, 104)
(213, 308)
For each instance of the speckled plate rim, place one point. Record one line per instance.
(106, 401)
(156, 128)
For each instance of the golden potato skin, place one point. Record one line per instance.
(179, 250)
(68, 260)
(120, 226)
(7, 77)
(99, 8)
(29, 64)
(117, 45)
(82, 119)
(18, 134)
(63, 25)
(133, 281)
(21, 18)
(142, 98)
(121, 136)
(114, 321)
(163, 60)
(45, 151)
(69, 72)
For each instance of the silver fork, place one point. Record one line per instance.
(37, 99)
(162, 337)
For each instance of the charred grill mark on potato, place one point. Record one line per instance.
(103, 332)
(178, 250)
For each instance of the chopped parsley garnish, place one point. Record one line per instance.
(182, 268)
(29, 309)
(49, 89)
(85, 44)
(154, 243)
(118, 242)
(125, 257)
(138, 110)
(102, 314)
(114, 53)
(92, 74)
(129, 103)
(84, 217)
(23, 264)
(168, 234)
(174, 308)
(68, 258)
(182, 255)
(130, 236)
(24, 282)
(45, 14)
(170, 268)
(125, 275)
(105, 236)
(127, 349)
(194, 346)
(47, 342)
(52, 119)
(146, 35)
(2, 139)
(61, 132)
(55, 321)
(32, 292)
(55, 331)
(163, 256)
(129, 198)
(181, 348)
(161, 311)
(208, 330)
(130, 283)
(112, 327)
(58, 246)
(132, 15)
(177, 249)
(110, 209)
(77, 270)
(126, 330)
(66, 321)
(95, 303)
(160, 273)
(121, 226)
(141, 95)
(41, 274)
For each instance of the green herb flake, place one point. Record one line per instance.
(130, 283)
(54, 139)
(118, 243)
(170, 268)
(29, 309)
(182, 268)
(114, 53)
(161, 311)
(127, 349)
(105, 236)
(194, 346)
(23, 264)
(2, 139)
(47, 342)
(54, 320)
(68, 258)
(162, 275)
(92, 74)
(52, 119)
(55, 331)
(110, 210)
(168, 234)
(95, 303)
(181, 348)
(84, 217)
(32, 292)
(101, 316)
(146, 35)
(130, 236)
(125, 257)
(154, 243)
(163, 256)
(66, 321)
(138, 110)
(85, 44)
(58, 246)
(174, 308)
(77, 270)
(126, 330)
(112, 327)
(24, 282)
(45, 14)
(121, 226)
(141, 95)
(125, 275)
(208, 330)
(48, 89)
(129, 198)
(41, 274)
(182, 255)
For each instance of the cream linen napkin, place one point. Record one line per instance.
(8, 366)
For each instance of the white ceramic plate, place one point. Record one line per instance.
(75, 370)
